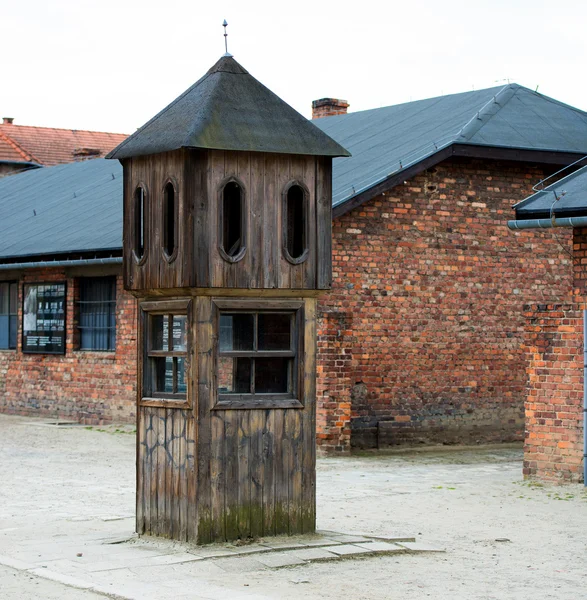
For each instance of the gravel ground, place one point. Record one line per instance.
(506, 539)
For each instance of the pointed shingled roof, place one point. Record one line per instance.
(228, 109)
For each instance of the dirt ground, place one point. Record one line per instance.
(506, 539)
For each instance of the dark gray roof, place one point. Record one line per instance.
(67, 208)
(228, 109)
(566, 197)
(79, 206)
(386, 141)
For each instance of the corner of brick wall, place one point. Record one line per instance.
(333, 403)
(553, 446)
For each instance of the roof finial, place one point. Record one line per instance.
(225, 25)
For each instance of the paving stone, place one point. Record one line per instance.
(394, 538)
(322, 542)
(347, 550)
(240, 564)
(251, 550)
(283, 545)
(313, 554)
(280, 559)
(347, 538)
(376, 546)
(170, 559)
(61, 578)
(14, 563)
(420, 547)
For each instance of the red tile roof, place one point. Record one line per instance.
(48, 146)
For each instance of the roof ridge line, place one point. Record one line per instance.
(477, 122)
(64, 129)
(29, 156)
(160, 113)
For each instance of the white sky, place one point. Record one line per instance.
(110, 65)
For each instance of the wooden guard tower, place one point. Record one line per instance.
(227, 244)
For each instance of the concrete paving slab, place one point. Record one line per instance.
(282, 545)
(421, 547)
(61, 578)
(345, 538)
(171, 559)
(275, 560)
(15, 563)
(256, 549)
(323, 541)
(347, 550)
(240, 564)
(311, 554)
(381, 547)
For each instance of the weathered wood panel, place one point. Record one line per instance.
(254, 462)
(165, 441)
(198, 177)
(324, 222)
(157, 270)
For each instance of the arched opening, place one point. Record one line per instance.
(295, 224)
(139, 222)
(232, 232)
(169, 219)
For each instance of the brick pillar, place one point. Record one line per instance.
(334, 384)
(553, 447)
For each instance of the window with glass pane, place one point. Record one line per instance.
(97, 313)
(166, 354)
(8, 303)
(256, 354)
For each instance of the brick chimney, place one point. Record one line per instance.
(327, 107)
(7, 120)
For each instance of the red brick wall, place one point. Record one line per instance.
(89, 386)
(421, 338)
(554, 341)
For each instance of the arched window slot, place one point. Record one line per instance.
(169, 219)
(232, 226)
(295, 224)
(139, 222)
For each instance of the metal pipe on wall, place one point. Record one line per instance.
(548, 223)
(82, 262)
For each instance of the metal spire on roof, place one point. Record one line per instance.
(225, 25)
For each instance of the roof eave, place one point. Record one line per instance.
(456, 149)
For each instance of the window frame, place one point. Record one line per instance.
(284, 222)
(149, 309)
(170, 181)
(112, 304)
(243, 218)
(140, 260)
(290, 399)
(10, 314)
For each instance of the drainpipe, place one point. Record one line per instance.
(584, 397)
(80, 262)
(548, 223)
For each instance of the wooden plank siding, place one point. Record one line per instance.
(164, 469)
(198, 177)
(211, 471)
(206, 475)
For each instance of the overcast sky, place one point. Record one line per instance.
(110, 65)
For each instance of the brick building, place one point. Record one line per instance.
(421, 336)
(24, 147)
(555, 338)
